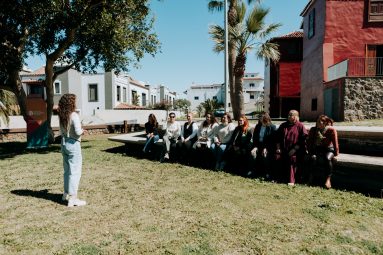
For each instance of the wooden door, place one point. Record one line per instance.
(370, 63)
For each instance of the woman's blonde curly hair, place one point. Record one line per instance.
(67, 105)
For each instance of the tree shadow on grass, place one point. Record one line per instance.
(44, 194)
(13, 149)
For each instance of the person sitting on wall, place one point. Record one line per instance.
(222, 135)
(151, 130)
(291, 146)
(322, 144)
(188, 138)
(172, 133)
(205, 132)
(263, 147)
(238, 150)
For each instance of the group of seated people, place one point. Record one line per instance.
(288, 153)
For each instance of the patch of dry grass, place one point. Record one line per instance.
(137, 206)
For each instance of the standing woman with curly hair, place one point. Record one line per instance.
(71, 131)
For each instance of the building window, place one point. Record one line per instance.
(143, 96)
(124, 98)
(196, 98)
(118, 93)
(311, 31)
(251, 96)
(57, 87)
(252, 85)
(314, 104)
(375, 10)
(93, 93)
(214, 97)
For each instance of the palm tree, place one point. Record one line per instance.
(218, 5)
(8, 105)
(250, 32)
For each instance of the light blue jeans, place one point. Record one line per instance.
(72, 160)
(150, 141)
(218, 152)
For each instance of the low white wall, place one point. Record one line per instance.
(138, 116)
(101, 117)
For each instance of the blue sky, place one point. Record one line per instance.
(186, 55)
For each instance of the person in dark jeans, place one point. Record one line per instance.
(151, 130)
(188, 138)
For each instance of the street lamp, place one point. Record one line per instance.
(226, 69)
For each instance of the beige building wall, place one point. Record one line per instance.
(312, 64)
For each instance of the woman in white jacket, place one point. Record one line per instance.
(222, 136)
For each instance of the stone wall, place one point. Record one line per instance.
(363, 98)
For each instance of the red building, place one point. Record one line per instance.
(342, 59)
(282, 79)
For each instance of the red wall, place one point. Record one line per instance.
(348, 30)
(289, 79)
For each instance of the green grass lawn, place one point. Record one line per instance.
(137, 206)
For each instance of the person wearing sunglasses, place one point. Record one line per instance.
(172, 134)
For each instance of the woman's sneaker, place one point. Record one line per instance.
(76, 202)
(65, 197)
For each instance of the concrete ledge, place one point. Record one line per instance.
(360, 161)
(344, 160)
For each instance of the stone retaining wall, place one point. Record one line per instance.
(363, 98)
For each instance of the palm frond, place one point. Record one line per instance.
(252, 1)
(217, 34)
(270, 29)
(215, 5)
(8, 105)
(256, 20)
(241, 12)
(268, 50)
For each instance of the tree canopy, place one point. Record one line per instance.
(80, 34)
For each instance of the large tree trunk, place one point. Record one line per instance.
(15, 85)
(49, 90)
(232, 53)
(232, 20)
(239, 72)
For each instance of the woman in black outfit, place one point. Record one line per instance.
(263, 146)
(152, 136)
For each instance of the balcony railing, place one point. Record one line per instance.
(356, 67)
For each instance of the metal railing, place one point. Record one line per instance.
(356, 67)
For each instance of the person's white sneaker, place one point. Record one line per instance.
(166, 156)
(64, 197)
(76, 202)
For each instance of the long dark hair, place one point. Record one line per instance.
(206, 123)
(153, 120)
(326, 120)
(67, 105)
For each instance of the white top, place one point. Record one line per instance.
(75, 130)
(207, 132)
(173, 130)
(222, 132)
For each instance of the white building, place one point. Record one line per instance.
(99, 91)
(252, 88)
(198, 94)
(160, 93)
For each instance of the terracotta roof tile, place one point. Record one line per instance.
(295, 34)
